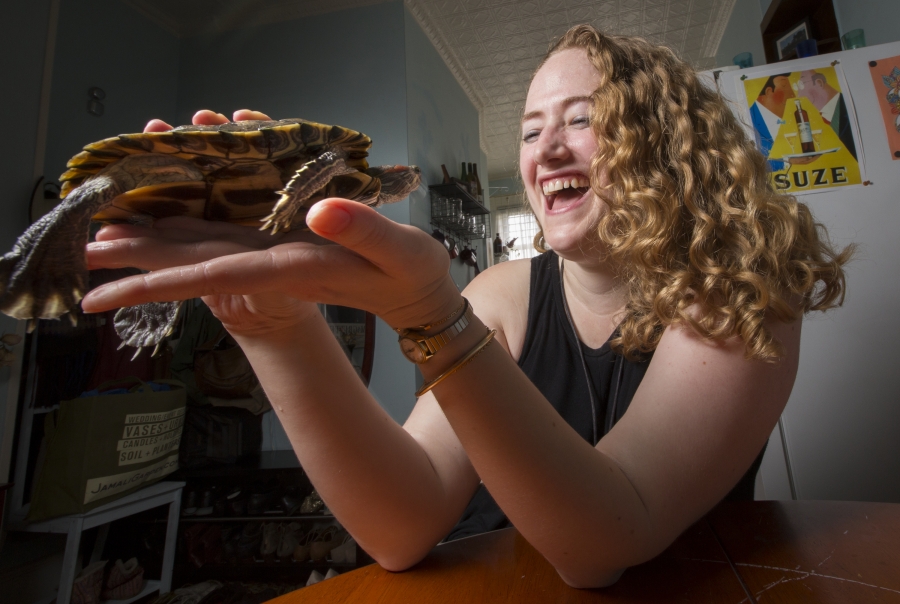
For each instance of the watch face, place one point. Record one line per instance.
(410, 349)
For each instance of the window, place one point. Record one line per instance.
(514, 219)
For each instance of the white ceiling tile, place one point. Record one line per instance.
(529, 8)
(557, 19)
(653, 27)
(506, 13)
(471, 49)
(553, 5)
(517, 41)
(471, 5)
(533, 24)
(674, 36)
(679, 7)
(608, 24)
(677, 22)
(581, 14)
(630, 18)
(700, 17)
(506, 68)
(654, 13)
(487, 30)
(466, 36)
(606, 9)
(447, 7)
(511, 28)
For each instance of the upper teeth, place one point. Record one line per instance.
(551, 186)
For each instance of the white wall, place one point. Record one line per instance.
(879, 18)
(742, 34)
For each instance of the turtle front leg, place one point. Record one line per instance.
(45, 273)
(312, 176)
(147, 324)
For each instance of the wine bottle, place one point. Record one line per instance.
(807, 145)
(480, 191)
(446, 174)
(463, 177)
(498, 245)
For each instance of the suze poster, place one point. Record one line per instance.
(886, 77)
(802, 124)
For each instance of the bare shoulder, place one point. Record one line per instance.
(499, 296)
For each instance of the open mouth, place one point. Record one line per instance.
(562, 190)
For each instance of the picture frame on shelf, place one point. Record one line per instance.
(786, 45)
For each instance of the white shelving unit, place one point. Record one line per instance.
(161, 493)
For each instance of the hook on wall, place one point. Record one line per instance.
(94, 106)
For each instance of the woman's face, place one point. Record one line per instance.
(557, 147)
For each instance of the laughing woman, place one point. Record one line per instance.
(600, 397)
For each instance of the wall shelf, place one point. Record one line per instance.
(470, 205)
(783, 15)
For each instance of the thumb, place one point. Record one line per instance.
(381, 241)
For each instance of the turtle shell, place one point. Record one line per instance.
(247, 140)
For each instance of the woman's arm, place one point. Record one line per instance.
(700, 416)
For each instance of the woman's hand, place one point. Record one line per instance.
(205, 117)
(395, 271)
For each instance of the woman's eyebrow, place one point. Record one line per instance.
(566, 102)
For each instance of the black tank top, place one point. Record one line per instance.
(551, 361)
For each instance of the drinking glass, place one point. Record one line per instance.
(743, 60)
(855, 38)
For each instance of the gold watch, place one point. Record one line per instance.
(418, 347)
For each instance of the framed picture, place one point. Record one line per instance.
(786, 45)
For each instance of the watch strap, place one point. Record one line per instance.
(430, 344)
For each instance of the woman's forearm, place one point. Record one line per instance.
(373, 475)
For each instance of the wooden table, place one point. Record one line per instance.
(787, 551)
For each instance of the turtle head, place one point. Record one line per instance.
(397, 182)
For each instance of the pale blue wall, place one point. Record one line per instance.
(109, 45)
(742, 34)
(879, 18)
(443, 129)
(300, 68)
(23, 36)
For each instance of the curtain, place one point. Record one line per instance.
(514, 219)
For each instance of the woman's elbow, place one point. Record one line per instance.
(590, 579)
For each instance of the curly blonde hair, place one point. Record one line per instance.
(692, 220)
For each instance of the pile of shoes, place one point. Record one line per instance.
(257, 541)
(124, 580)
(121, 581)
(260, 499)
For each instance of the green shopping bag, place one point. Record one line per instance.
(105, 446)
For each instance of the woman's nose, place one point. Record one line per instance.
(550, 147)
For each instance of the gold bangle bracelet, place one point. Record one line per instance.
(459, 364)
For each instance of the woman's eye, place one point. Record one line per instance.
(530, 136)
(581, 120)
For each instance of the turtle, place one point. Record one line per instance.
(247, 173)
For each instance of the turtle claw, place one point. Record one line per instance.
(147, 324)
